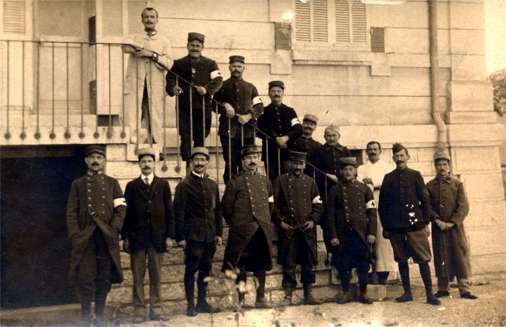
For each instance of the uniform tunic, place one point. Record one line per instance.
(202, 72)
(95, 205)
(243, 97)
(145, 75)
(376, 171)
(451, 251)
(247, 208)
(277, 121)
(404, 209)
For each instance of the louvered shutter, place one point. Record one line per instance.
(320, 21)
(302, 21)
(358, 21)
(14, 16)
(342, 21)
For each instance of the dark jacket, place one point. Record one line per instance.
(449, 204)
(351, 207)
(296, 201)
(404, 201)
(95, 201)
(197, 209)
(326, 159)
(202, 72)
(149, 216)
(247, 205)
(243, 96)
(278, 121)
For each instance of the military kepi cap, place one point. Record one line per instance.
(276, 83)
(297, 156)
(250, 149)
(100, 149)
(348, 161)
(146, 152)
(192, 36)
(235, 58)
(200, 150)
(311, 117)
(441, 155)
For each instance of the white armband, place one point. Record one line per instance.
(257, 100)
(295, 121)
(119, 202)
(370, 205)
(271, 199)
(317, 200)
(215, 74)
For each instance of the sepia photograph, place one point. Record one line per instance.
(253, 163)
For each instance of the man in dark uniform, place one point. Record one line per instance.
(352, 227)
(326, 159)
(199, 228)
(148, 225)
(247, 205)
(240, 107)
(306, 143)
(297, 209)
(277, 126)
(95, 214)
(449, 242)
(404, 209)
(199, 80)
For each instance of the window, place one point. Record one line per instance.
(339, 22)
(14, 16)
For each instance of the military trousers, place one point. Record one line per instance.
(352, 253)
(298, 252)
(195, 129)
(198, 257)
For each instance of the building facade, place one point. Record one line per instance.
(410, 71)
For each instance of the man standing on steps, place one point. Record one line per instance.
(149, 225)
(297, 209)
(199, 228)
(150, 57)
(199, 79)
(371, 173)
(278, 125)
(352, 228)
(404, 209)
(247, 205)
(306, 143)
(95, 215)
(241, 104)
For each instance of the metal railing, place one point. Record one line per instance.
(81, 63)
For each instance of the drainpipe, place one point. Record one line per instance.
(442, 138)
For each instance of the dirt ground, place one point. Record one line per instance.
(488, 310)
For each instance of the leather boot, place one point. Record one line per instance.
(202, 305)
(287, 300)
(363, 298)
(308, 295)
(345, 297)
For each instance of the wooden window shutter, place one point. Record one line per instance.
(377, 39)
(14, 16)
(302, 21)
(358, 21)
(342, 21)
(320, 21)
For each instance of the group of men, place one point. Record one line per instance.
(306, 184)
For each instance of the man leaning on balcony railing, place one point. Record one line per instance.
(150, 58)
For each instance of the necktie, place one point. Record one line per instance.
(146, 180)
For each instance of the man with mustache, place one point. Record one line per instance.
(306, 143)
(372, 173)
(449, 242)
(297, 208)
(149, 225)
(326, 159)
(95, 215)
(239, 109)
(247, 204)
(277, 125)
(200, 80)
(199, 228)
(404, 208)
(352, 228)
(150, 57)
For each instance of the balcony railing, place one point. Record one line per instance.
(75, 93)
